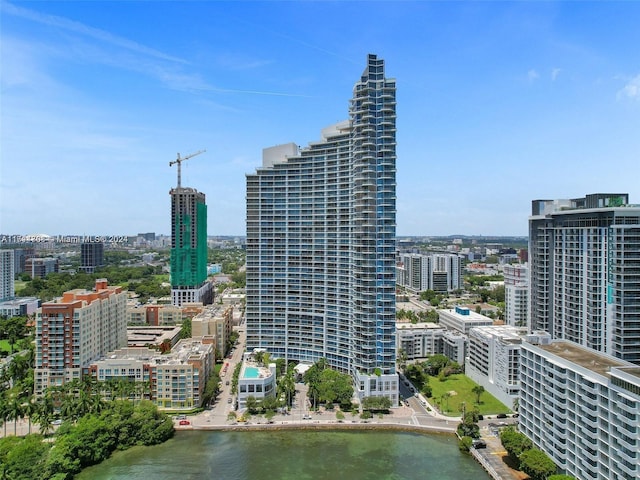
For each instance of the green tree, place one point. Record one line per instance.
(29, 409)
(537, 464)
(436, 363)
(287, 386)
(185, 330)
(312, 380)
(445, 401)
(465, 443)
(514, 442)
(469, 425)
(478, 390)
(4, 411)
(26, 459)
(13, 329)
(14, 411)
(252, 404)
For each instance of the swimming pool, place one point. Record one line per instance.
(251, 372)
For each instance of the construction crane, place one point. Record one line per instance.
(179, 161)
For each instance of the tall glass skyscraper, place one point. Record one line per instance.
(321, 226)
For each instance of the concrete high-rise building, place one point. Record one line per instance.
(7, 274)
(321, 243)
(91, 256)
(516, 295)
(439, 272)
(76, 329)
(39, 267)
(582, 408)
(584, 258)
(189, 247)
(20, 256)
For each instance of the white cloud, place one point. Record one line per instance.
(631, 89)
(532, 75)
(77, 27)
(554, 74)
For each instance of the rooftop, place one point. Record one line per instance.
(419, 325)
(251, 370)
(584, 357)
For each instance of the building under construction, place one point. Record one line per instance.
(188, 245)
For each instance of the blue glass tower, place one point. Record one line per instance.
(321, 243)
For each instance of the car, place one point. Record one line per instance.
(480, 417)
(307, 417)
(181, 417)
(479, 444)
(227, 382)
(185, 422)
(501, 415)
(56, 422)
(229, 400)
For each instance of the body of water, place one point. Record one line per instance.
(293, 455)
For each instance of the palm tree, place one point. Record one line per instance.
(15, 412)
(445, 400)
(68, 407)
(44, 412)
(29, 409)
(478, 390)
(4, 411)
(83, 403)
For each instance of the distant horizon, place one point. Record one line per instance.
(90, 238)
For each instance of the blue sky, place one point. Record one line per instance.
(499, 103)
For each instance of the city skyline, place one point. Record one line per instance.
(499, 104)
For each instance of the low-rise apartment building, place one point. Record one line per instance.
(154, 314)
(215, 320)
(255, 381)
(419, 340)
(462, 319)
(175, 381)
(493, 360)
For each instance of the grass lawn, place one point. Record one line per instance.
(19, 285)
(462, 385)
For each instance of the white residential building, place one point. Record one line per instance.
(584, 260)
(419, 340)
(516, 295)
(440, 272)
(454, 346)
(493, 360)
(582, 408)
(462, 319)
(255, 381)
(7, 273)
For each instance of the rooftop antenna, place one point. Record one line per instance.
(179, 161)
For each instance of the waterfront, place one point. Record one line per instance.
(293, 455)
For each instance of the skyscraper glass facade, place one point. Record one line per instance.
(321, 243)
